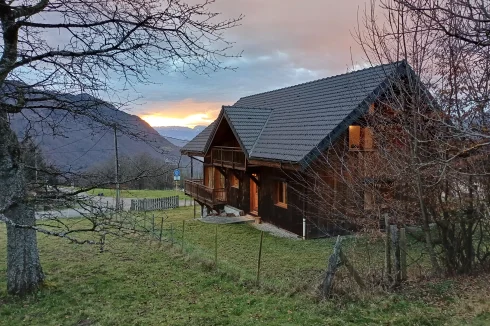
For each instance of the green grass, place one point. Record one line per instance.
(143, 283)
(139, 193)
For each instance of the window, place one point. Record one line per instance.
(281, 194)
(234, 182)
(360, 138)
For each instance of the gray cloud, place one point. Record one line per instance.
(284, 43)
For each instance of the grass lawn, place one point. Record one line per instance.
(139, 193)
(142, 283)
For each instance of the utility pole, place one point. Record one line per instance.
(35, 164)
(117, 169)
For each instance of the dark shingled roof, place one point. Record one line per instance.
(293, 124)
(199, 143)
(247, 124)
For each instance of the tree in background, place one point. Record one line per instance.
(84, 47)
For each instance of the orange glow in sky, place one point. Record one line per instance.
(158, 120)
(185, 113)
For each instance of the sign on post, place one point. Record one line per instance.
(176, 175)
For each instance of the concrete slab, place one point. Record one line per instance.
(226, 220)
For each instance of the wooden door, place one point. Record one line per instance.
(254, 196)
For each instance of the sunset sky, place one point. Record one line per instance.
(284, 42)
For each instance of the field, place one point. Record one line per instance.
(144, 282)
(139, 193)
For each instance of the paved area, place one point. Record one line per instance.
(275, 231)
(226, 220)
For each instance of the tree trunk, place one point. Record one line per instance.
(24, 272)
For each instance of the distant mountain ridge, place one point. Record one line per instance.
(80, 139)
(179, 136)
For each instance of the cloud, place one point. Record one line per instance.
(284, 43)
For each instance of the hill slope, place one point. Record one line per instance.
(179, 136)
(83, 137)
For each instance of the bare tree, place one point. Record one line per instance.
(85, 46)
(426, 161)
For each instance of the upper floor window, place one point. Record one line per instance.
(360, 138)
(281, 194)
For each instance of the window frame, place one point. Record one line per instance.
(364, 138)
(281, 187)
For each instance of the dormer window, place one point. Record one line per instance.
(360, 138)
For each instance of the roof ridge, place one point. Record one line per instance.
(316, 80)
(244, 107)
(260, 133)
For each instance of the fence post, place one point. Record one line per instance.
(260, 257)
(152, 225)
(183, 234)
(161, 229)
(333, 265)
(387, 249)
(172, 233)
(396, 246)
(216, 247)
(403, 254)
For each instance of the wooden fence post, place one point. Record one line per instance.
(172, 233)
(260, 257)
(403, 254)
(396, 246)
(161, 229)
(387, 249)
(183, 234)
(216, 246)
(333, 264)
(152, 225)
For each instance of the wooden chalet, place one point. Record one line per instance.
(251, 150)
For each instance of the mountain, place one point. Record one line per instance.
(80, 133)
(179, 136)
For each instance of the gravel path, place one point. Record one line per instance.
(275, 231)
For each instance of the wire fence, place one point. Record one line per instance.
(278, 264)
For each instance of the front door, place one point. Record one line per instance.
(254, 195)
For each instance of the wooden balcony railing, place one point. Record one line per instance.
(210, 196)
(231, 157)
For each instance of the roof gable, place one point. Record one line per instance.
(247, 124)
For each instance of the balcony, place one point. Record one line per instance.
(203, 194)
(229, 157)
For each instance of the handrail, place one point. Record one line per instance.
(199, 191)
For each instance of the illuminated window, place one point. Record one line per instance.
(360, 138)
(281, 194)
(234, 182)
